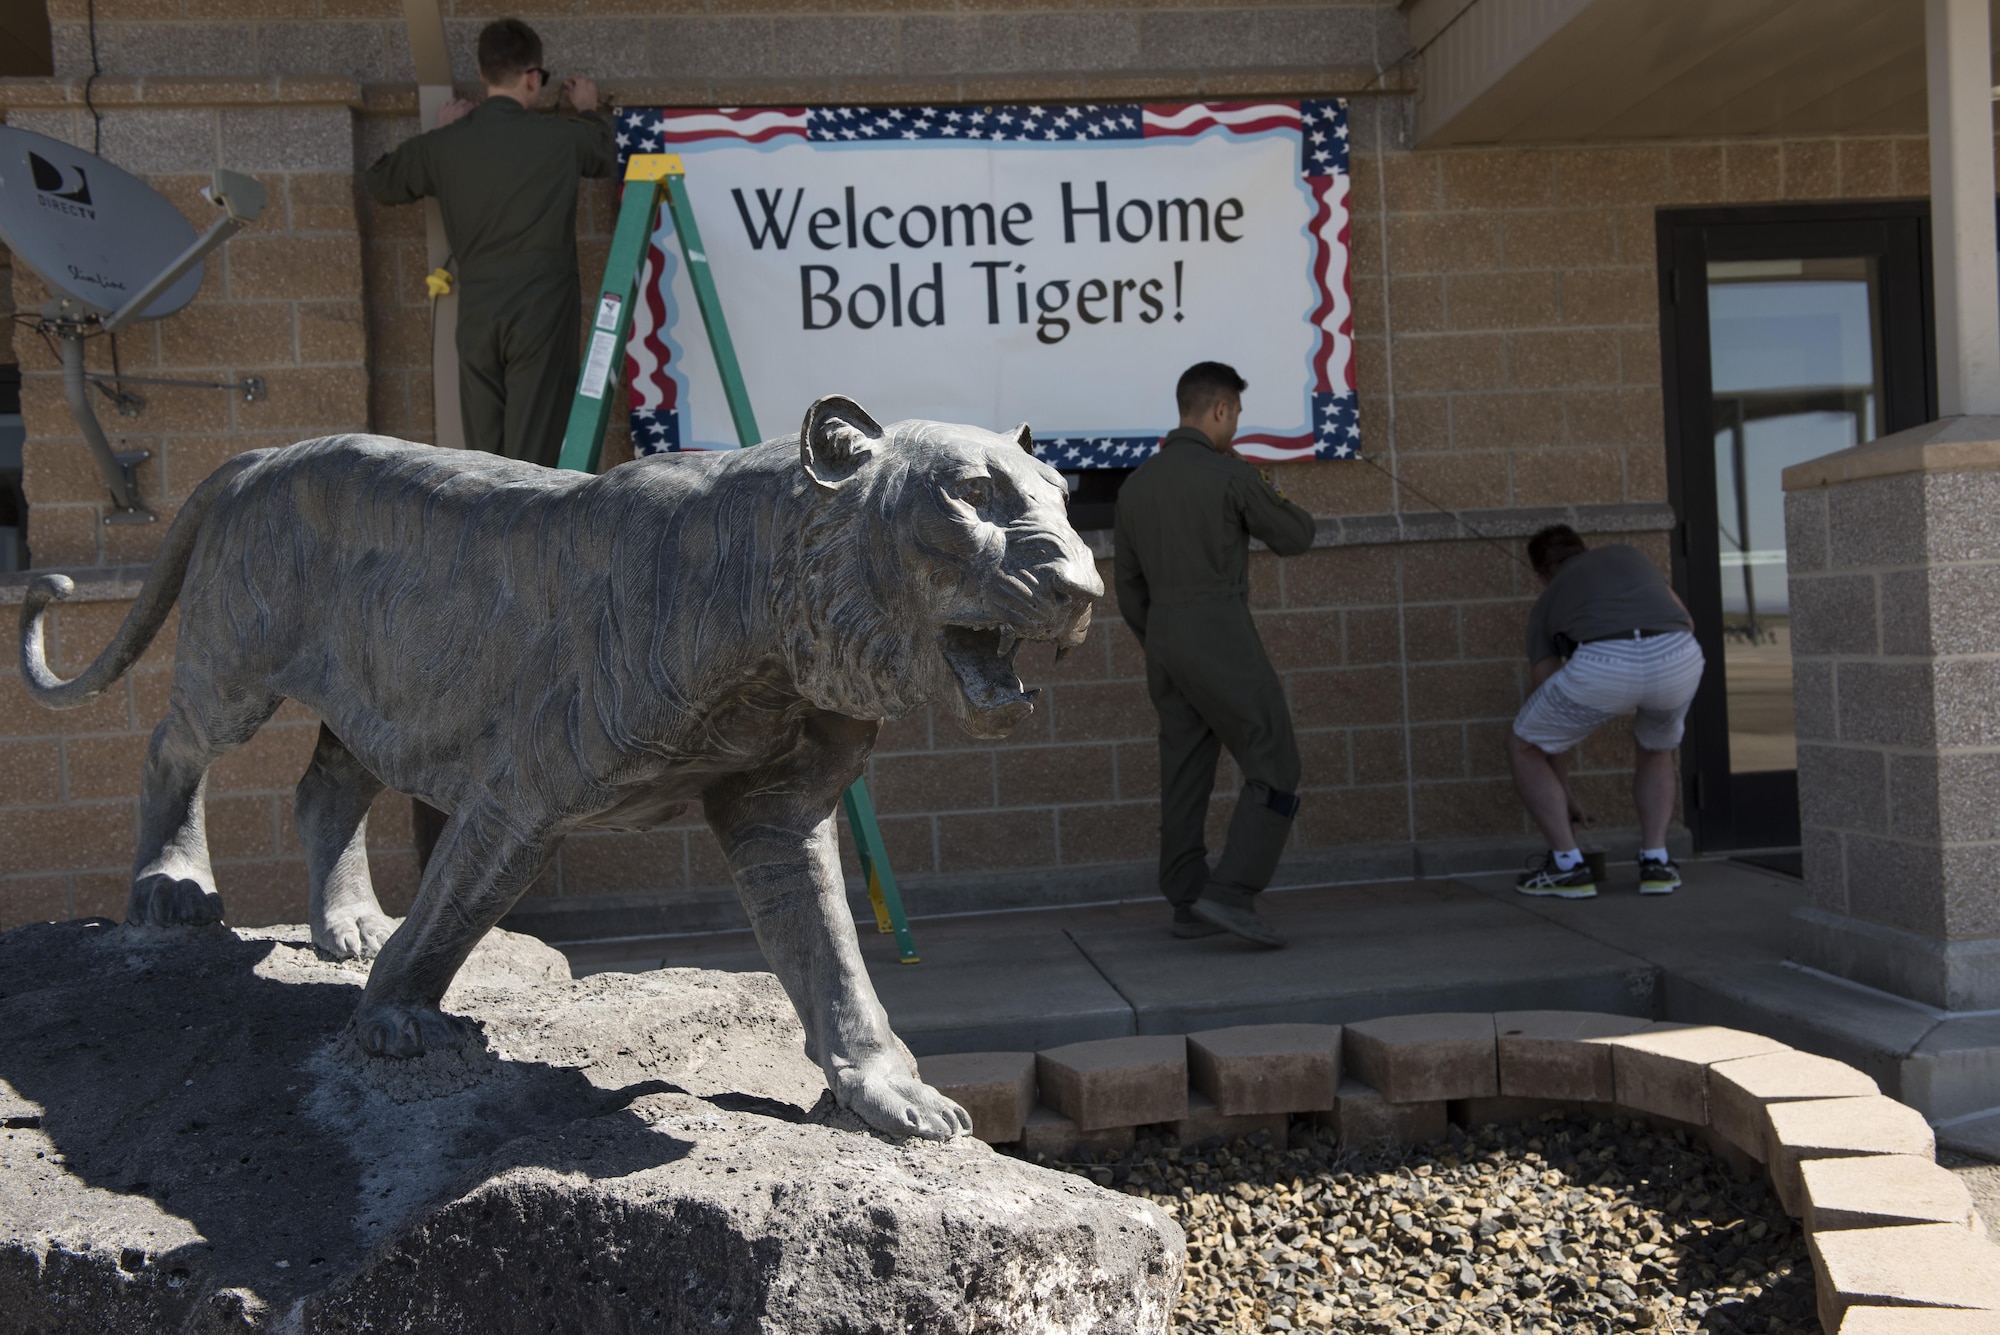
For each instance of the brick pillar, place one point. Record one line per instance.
(1895, 580)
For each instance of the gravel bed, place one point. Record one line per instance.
(1563, 1224)
(1982, 1179)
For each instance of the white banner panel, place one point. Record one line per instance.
(1059, 265)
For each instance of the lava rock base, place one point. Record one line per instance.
(193, 1143)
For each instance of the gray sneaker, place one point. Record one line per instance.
(1243, 922)
(1188, 927)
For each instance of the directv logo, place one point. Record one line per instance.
(62, 189)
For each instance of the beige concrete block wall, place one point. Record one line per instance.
(1506, 344)
(733, 52)
(1507, 305)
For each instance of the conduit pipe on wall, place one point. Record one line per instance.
(434, 89)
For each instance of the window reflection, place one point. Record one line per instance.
(1795, 364)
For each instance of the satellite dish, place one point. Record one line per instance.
(113, 250)
(87, 229)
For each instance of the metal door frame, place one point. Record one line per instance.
(1761, 811)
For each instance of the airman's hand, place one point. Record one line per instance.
(455, 110)
(582, 92)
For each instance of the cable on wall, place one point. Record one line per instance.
(96, 117)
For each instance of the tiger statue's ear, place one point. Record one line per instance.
(1024, 438)
(837, 435)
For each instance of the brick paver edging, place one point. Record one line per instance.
(1897, 1247)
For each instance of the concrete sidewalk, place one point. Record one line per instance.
(1714, 952)
(1032, 979)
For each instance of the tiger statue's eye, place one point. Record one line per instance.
(975, 491)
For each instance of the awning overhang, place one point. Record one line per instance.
(1566, 71)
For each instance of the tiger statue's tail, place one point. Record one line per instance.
(149, 610)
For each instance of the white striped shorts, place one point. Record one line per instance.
(1656, 676)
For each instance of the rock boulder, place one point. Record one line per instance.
(191, 1143)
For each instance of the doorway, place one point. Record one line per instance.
(1787, 333)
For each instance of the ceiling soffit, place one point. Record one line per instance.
(1549, 71)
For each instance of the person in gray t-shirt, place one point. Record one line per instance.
(1607, 637)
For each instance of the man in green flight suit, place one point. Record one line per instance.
(1185, 520)
(505, 179)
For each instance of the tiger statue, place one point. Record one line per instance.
(535, 651)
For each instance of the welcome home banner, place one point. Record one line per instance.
(1058, 265)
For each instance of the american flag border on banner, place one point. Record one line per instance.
(1334, 430)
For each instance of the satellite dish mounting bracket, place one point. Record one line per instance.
(71, 321)
(128, 463)
(241, 199)
(119, 468)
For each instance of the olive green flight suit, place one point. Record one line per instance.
(505, 179)
(1185, 519)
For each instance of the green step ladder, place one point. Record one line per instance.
(653, 179)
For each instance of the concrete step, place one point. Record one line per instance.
(1978, 1137)
(1358, 952)
(1713, 953)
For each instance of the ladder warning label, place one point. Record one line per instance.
(608, 306)
(596, 366)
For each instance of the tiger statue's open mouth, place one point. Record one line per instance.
(982, 658)
(1037, 586)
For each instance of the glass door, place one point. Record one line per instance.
(1795, 371)
(1790, 333)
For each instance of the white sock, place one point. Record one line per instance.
(1653, 855)
(1568, 861)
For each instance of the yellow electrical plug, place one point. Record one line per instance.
(437, 283)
